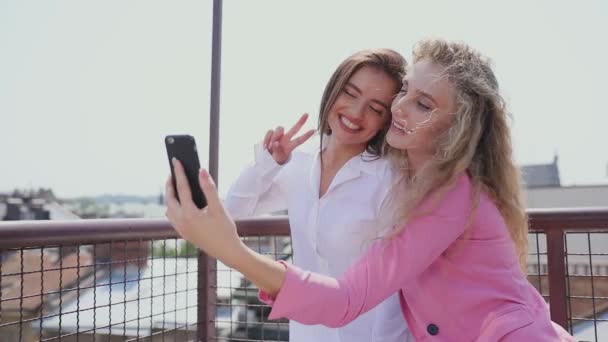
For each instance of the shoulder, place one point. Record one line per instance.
(378, 167)
(453, 200)
(459, 193)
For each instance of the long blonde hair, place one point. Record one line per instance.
(477, 142)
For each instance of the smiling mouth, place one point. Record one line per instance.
(402, 128)
(349, 124)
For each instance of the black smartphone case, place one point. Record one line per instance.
(183, 148)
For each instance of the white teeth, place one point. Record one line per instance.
(398, 126)
(402, 128)
(349, 123)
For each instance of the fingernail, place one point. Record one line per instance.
(173, 160)
(203, 173)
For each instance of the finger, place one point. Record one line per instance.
(183, 189)
(170, 215)
(277, 134)
(276, 148)
(267, 138)
(210, 190)
(275, 139)
(302, 139)
(297, 126)
(170, 199)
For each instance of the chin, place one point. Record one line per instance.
(350, 139)
(395, 141)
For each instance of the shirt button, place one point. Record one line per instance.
(432, 329)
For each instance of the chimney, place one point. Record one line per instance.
(13, 209)
(38, 211)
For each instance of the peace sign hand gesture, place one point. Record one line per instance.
(280, 145)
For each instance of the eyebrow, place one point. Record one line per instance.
(421, 92)
(349, 84)
(353, 86)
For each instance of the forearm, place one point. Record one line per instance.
(256, 190)
(268, 275)
(213, 231)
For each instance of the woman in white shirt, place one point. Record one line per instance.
(334, 188)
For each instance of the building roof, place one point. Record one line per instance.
(541, 175)
(23, 277)
(164, 297)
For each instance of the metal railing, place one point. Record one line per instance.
(569, 266)
(136, 280)
(95, 278)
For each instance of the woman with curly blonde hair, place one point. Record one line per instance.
(457, 250)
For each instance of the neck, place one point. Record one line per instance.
(336, 154)
(416, 161)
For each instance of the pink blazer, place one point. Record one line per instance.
(455, 284)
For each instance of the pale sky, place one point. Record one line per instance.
(89, 89)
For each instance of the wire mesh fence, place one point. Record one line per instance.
(240, 315)
(116, 291)
(583, 242)
(135, 280)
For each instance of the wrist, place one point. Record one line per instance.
(238, 256)
(283, 162)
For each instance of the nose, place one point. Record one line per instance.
(398, 107)
(357, 109)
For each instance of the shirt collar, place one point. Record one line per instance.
(364, 162)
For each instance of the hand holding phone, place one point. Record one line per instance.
(183, 148)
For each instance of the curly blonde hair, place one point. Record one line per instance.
(478, 142)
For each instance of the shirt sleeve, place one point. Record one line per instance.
(259, 189)
(389, 266)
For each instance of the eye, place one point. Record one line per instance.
(376, 110)
(348, 93)
(423, 106)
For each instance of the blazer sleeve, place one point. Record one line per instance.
(389, 266)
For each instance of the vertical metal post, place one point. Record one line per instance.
(216, 66)
(206, 265)
(557, 277)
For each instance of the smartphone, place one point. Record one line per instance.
(183, 148)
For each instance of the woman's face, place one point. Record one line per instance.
(362, 108)
(422, 110)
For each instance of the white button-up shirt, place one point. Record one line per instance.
(328, 233)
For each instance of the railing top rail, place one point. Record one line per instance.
(568, 219)
(15, 234)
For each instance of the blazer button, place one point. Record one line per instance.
(432, 329)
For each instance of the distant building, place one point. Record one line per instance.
(35, 274)
(544, 189)
(580, 196)
(541, 175)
